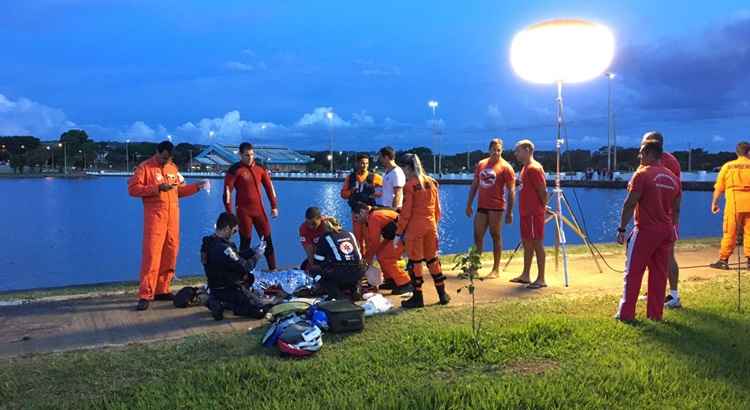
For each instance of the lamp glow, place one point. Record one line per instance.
(567, 51)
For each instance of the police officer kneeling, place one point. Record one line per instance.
(227, 271)
(338, 261)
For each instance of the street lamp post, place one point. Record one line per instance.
(433, 105)
(329, 116)
(52, 151)
(83, 157)
(127, 156)
(611, 142)
(65, 156)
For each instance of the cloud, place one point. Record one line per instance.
(140, 131)
(238, 66)
(708, 76)
(494, 118)
(372, 69)
(717, 138)
(230, 128)
(26, 117)
(318, 119)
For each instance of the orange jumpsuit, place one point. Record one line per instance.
(418, 224)
(734, 181)
(161, 223)
(378, 246)
(360, 230)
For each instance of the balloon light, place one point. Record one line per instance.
(562, 51)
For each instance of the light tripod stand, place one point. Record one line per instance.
(559, 200)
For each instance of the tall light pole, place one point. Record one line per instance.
(65, 156)
(329, 115)
(610, 124)
(83, 157)
(433, 105)
(53, 155)
(127, 156)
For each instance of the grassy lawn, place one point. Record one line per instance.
(540, 353)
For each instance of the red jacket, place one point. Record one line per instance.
(247, 179)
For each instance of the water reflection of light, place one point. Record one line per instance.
(331, 203)
(447, 240)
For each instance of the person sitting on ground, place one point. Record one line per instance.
(227, 271)
(309, 233)
(381, 226)
(338, 261)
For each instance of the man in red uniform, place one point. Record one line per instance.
(654, 194)
(671, 163)
(247, 177)
(493, 176)
(158, 182)
(531, 206)
(381, 226)
(309, 232)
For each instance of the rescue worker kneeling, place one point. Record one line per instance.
(381, 225)
(227, 271)
(338, 261)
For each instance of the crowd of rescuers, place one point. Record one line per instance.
(396, 215)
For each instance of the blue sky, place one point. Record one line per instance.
(268, 71)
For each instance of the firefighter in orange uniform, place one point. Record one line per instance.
(381, 226)
(158, 182)
(361, 186)
(734, 182)
(417, 227)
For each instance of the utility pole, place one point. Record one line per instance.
(433, 105)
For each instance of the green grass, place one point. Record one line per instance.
(556, 352)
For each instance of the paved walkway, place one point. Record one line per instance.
(94, 322)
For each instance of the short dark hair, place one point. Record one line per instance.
(245, 146)
(388, 151)
(652, 147)
(165, 146)
(358, 206)
(654, 135)
(226, 220)
(312, 212)
(495, 141)
(362, 156)
(743, 148)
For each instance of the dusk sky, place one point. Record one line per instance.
(140, 70)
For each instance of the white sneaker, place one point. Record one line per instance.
(643, 297)
(673, 304)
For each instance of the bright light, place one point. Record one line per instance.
(329, 157)
(610, 75)
(433, 104)
(59, 145)
(568, 51)
(210, 134)
(48, 148)
(169, 137)
(128, 141)
(263, 126)
(329, 115)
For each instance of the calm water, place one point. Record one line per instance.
(62, 232)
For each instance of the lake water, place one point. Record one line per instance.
(58, 232)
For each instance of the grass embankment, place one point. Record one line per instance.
(447, 261)
(557, 352)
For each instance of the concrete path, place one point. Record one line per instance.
(94, 322)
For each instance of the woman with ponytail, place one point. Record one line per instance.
(417, 228)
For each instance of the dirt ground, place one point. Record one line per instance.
(110, 320)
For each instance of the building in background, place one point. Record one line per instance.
(276, 158)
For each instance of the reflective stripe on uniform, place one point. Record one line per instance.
(334, 248)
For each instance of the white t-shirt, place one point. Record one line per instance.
(392, 179)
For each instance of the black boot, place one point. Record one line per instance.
(216, 308)
(415, 301)
(443, 295)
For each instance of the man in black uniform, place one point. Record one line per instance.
(227, 271)
(338, 260)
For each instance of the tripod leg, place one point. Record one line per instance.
(581, 232)
(557, 244)
(510, 258)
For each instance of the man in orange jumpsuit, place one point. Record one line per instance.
(734, 182)
(361, 186)
(160, 184)
(247, 177)
(417, 227)
(381, 226)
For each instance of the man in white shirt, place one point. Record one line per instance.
(393, 180)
